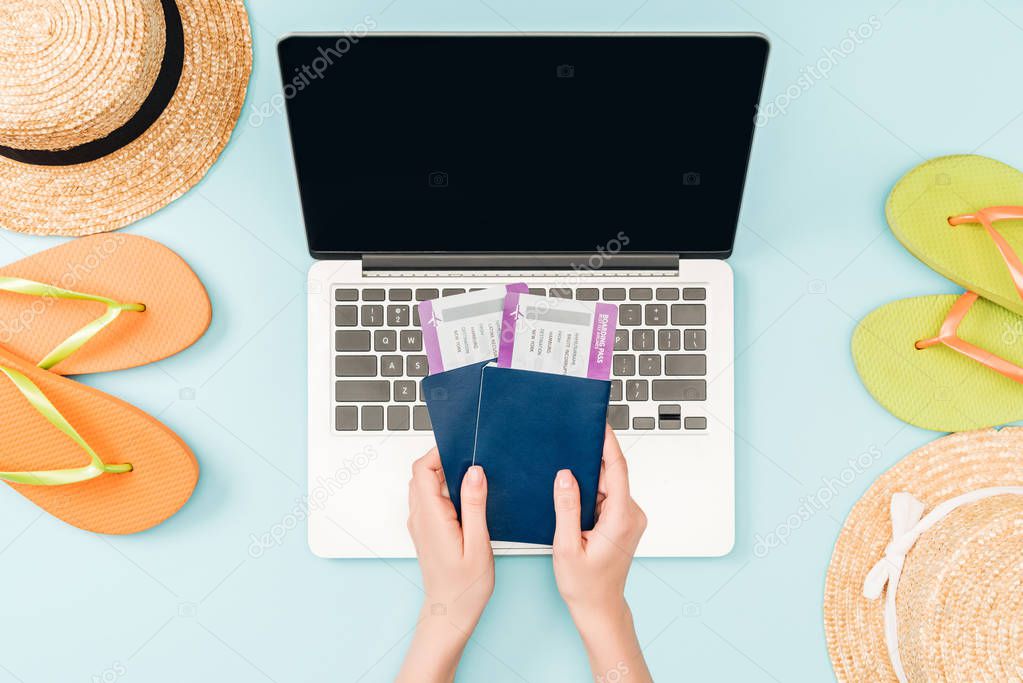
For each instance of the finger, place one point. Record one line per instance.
(425, 480)
(616, 469)
(567, 533)
(475, 535)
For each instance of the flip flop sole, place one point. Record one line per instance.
(936, 388)
(921, 203)
(126, 268)
(164, 470)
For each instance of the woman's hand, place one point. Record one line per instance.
(591, 566)
(457, 565)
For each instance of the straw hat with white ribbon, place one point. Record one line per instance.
(926, 581)
(110, 109)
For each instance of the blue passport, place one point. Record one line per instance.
(521, 427)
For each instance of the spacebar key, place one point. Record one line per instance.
(679, 390)
(354, 391)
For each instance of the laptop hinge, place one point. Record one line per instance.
(603, 261)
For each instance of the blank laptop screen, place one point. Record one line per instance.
(484, 143)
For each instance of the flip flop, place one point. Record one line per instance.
(945, 362)
(100, 303)
(963, 217)
(138, 472)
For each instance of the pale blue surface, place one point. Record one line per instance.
(187, 602)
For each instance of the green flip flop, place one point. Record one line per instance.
(963, 216)
(945, 362)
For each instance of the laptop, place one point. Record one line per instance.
(601, 167)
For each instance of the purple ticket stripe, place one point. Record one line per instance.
(605, 323)
(511, 306)
(518, 288)
(430, 342)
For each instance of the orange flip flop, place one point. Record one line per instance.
(100, 303)
(138, 472)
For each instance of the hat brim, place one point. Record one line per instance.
(166, 160)
(943, 469)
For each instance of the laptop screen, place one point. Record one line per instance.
(521, 143)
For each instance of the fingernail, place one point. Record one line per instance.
(475, 475)
(565, 479)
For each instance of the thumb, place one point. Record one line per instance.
(567, 533)
(475, 535)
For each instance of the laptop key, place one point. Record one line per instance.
(667, 294)
(538, 291)
(587, 294)
(643, 340)
(623, 365)
(642, 423)
(641, 294)
(362, 390)
(346, 316)
(421, 419)
(415, 315)
(372, 418)
(561, 293)
(397, 316)
(373, 295)
(451, 291)
(679, 390)
(373, 315)
(385, 340)
(614, 294)
(656, 314)
(355, 366)
(669, 417)
(696, 423)
(618, 416)
(351, 340)
(346, 418)
(669, 340)
(688, 314)
(411, 340)
(400, 295)
(688, 365)
(694, 294)
(346, 295)
(418, 366)
(695, 340)
(616, 390)
(398, 418)
(637, 390)
(649, 365)
(391, 366)
(621, 340)
(426, 294)
(405, 391)
(630, 314)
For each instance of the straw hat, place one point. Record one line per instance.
(111, 109)
(933, 553)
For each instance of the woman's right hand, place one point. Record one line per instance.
(591, 566)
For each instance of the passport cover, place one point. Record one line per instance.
(531, 424)
(452, 398)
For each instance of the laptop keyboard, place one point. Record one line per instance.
(658, 372)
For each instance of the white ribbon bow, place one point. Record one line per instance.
(906, 513)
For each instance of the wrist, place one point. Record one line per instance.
(608, 618)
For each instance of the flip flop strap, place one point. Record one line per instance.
(987, 217)
(96, 466)
(949, 336)
(77, 340)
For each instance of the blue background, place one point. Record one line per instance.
(187, 601)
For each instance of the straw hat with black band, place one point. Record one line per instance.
(111, 109)
(926, 580)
